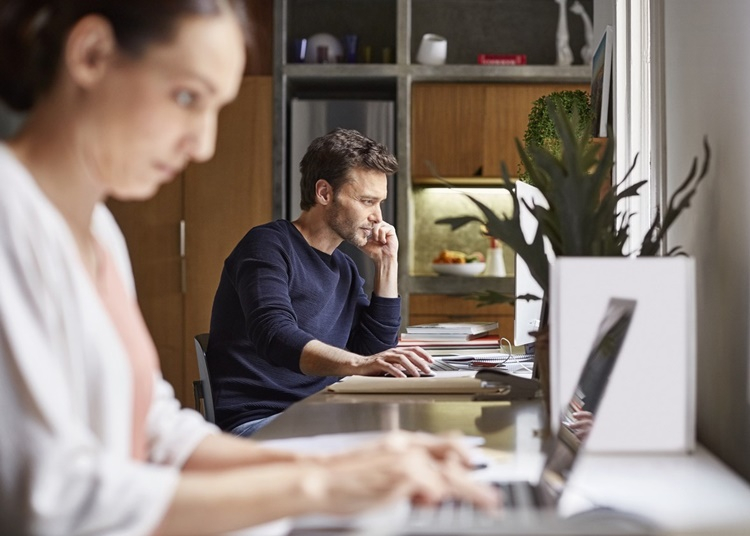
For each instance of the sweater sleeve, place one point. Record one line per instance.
(377, 327)
(260, 272)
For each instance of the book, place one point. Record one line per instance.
(455, 328)
(432, 337)
(501, 59)
(486, 343)
(483, 345)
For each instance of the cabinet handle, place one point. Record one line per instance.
(182, 238)
(183, 267)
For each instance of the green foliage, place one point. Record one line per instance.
(583, 218)
(541, 130)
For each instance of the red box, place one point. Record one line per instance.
(501, 59)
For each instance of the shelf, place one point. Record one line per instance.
(447, 284)
(514, 73)
(341, 70)
(441, 73)
(458, 182)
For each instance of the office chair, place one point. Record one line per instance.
(202, 387)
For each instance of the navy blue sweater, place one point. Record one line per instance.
(276, 294)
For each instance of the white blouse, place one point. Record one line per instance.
(66, 396)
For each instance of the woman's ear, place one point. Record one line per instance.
(323, 191)
(89, 50)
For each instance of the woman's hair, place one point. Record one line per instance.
(33, 33)
(332, 156)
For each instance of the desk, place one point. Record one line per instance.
(686, 494)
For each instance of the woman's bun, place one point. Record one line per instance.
(23, 62)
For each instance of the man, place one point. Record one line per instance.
(290, 316)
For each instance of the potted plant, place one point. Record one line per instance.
(541, 131)
(583, 218)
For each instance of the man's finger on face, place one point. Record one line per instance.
(382, 230)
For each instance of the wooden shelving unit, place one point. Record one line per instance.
(400, 22)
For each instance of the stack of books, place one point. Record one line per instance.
(448, 331)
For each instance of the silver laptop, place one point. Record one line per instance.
(531, 507)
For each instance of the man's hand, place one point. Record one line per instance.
(382, 245)
(321, 359)
(398, 362)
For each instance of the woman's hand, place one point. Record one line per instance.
(422, 468)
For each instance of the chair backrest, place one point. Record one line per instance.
(201, 342)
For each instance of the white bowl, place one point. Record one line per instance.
(335, 50)
(468, 269)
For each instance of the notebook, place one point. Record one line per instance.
(531, 507)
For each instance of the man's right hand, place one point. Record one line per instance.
(320, 359)
(397, 362)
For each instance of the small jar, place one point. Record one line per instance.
(495, 260)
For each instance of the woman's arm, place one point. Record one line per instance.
(402, 466)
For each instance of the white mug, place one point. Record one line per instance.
(432, 50)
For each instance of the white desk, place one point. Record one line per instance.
(685, 494)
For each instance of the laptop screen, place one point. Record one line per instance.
(579, 415)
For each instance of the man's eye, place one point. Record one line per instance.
(185, 98)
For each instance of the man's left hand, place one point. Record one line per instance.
(382, 245)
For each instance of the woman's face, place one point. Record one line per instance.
(152, 115)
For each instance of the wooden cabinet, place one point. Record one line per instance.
(179, 239)
(224, 198)
(467, 130)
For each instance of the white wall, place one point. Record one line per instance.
(708, 93)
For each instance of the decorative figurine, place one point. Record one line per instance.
(564, 54)
(587, 50)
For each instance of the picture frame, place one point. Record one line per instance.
(601, 84)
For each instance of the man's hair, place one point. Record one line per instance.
(333, 156)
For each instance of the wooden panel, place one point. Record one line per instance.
(424, 308)
(447, 128)
(260, 48)
(224, 198)
(507, 108)
(152, 231)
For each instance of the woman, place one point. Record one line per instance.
(120, 96)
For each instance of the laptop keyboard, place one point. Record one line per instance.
(450, 514)
(459, 514)
(442, 365)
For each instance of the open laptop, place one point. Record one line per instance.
(531, 507)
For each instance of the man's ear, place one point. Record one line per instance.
(89, 50)
(323, 192)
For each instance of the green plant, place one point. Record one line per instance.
(541, 130)
(583, 219)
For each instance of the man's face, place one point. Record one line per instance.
(356, 206)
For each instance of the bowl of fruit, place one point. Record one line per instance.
(450, 262)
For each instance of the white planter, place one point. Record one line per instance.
(649, 405)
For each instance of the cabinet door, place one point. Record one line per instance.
(224, 198)
(447, 129)
(465, 128)
(506, 112)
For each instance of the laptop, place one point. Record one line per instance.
(531, 507)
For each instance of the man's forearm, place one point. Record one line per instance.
(321, 359)
(386, 279)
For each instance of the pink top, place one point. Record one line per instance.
(126, 316)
